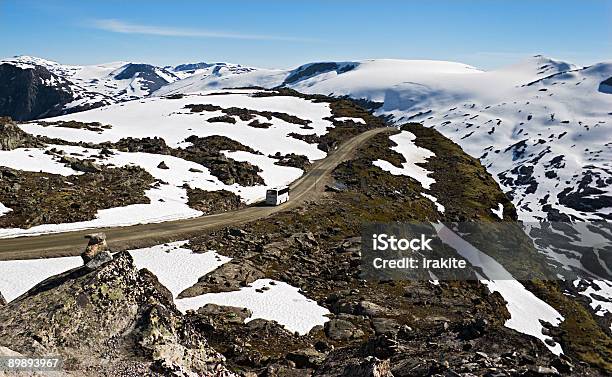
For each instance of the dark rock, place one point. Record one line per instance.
(229, 277)
(222, 119)
(2, 300)
(99, 259)
(369, 367)
(162, 165)
(386, 326)
(340, 329)
(84, 166)
(562, 364)
(306, 358)
(12, 137)
(382, 347)
(229, 314)
(473, 328)
(147, 75)
(209, 202)
(25, 96)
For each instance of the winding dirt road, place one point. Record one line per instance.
(309, 187)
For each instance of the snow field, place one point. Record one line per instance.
(168, 119)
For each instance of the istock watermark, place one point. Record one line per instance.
(486, 250)
(386, 242)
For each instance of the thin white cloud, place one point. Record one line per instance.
(119, 26)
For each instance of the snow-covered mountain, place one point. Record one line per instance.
(79, 87)
(541, 126)
(202, 77)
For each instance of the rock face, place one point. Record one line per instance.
(2, 300)
(27, 94)
(150, 78)
(114, 313)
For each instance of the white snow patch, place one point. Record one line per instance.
(34, 160)
(4, 210)
(413, 155)
(19, 276)
(175, 266)
(499, 212)
(349, 119)
(439, 206)
(281, 303)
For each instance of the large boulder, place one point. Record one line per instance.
(114, 313)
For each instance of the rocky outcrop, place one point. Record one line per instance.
(229, 277)
(12, 137)
(114, 313)
(2, 300)
(32, 93)
(309, 70)
(606, 86)
(43, 198)
(210, 202)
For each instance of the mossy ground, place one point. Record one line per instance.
(43, 198)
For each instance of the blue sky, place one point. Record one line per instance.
(282, 34)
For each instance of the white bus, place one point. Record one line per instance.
(278, 195)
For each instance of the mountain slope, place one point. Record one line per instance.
(539, 125)
(38, 88)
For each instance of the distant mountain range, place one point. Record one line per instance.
(541, 127)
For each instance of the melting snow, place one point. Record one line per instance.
(499, 212)
(347, 119)
(178, 268)
(413, 155)
(4, 210)
(175, 266)
(281, 303)
(33, 160)
(439, 206)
